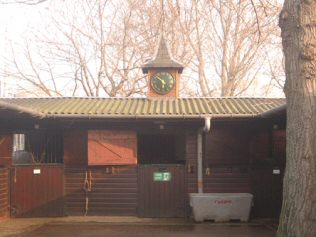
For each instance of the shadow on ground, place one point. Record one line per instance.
(139, 230)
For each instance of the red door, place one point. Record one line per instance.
(37, 191)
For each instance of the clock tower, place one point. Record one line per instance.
(163, 73)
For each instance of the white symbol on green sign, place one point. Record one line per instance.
(162, 176)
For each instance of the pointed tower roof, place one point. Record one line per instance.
(162, 59)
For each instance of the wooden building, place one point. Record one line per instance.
(139, 156)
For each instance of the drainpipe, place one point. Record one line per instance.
(206, 128)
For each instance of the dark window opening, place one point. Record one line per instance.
(38, 147)
(160, 149)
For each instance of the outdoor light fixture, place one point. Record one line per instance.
(159, 122)
(208, 171)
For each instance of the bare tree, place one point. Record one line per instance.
(93, 54)
(227, 43)
(100, 52)
(298, 216)
(26, 2)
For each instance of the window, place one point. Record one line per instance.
(38, 146)
(161, 149)
(19, 142)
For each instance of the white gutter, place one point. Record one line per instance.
(206, 128)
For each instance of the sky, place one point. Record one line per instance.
(16, 21)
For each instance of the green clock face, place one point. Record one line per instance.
(162, 82)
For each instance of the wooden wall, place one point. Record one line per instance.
(238, 157)
(191, 162)
(106, 147)
(260, 146)
(191, 167)
(5, 160)
(226, 165)
(4, 192)
(161, 199)
(6, 149)
(75, 147)
(113, 190)
(267, 153)
(279, 145)
(37, 194)
(242, 157)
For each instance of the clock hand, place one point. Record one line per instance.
(162, 81)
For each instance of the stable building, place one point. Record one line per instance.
(139, 156)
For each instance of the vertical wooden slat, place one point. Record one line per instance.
(161, 199)
(6, 147)
(75, 147)
(4, 191)
(191, 168)
(36, 195)
(267, 190)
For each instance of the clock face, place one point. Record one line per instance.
(162, 82)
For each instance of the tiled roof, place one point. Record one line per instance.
(162, 59)
(141, 107)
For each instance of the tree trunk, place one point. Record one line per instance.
(298, 24)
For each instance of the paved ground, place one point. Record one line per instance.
(101, 230)
(128, 227)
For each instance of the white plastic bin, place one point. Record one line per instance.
(221, 206)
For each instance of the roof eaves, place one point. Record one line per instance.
(21, 109)
(273, 111)
(152, 116)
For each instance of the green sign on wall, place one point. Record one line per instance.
(161, 176)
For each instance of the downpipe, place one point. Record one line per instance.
(205, 129)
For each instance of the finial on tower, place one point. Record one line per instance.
(162, 59)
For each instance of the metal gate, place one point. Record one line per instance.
(37, 191)
(161, 190)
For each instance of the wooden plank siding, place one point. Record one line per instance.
(260, 146)
(279, 145)
(161, 199)
(267, 190)
(226, 166)
(37, 194)
(191, 162)
(191, 168)
(4, 192)
(113, 190)
(108, 147)
(228, 179)
(267, 154)
(75, 147)
(6, 144)
(227, 144)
